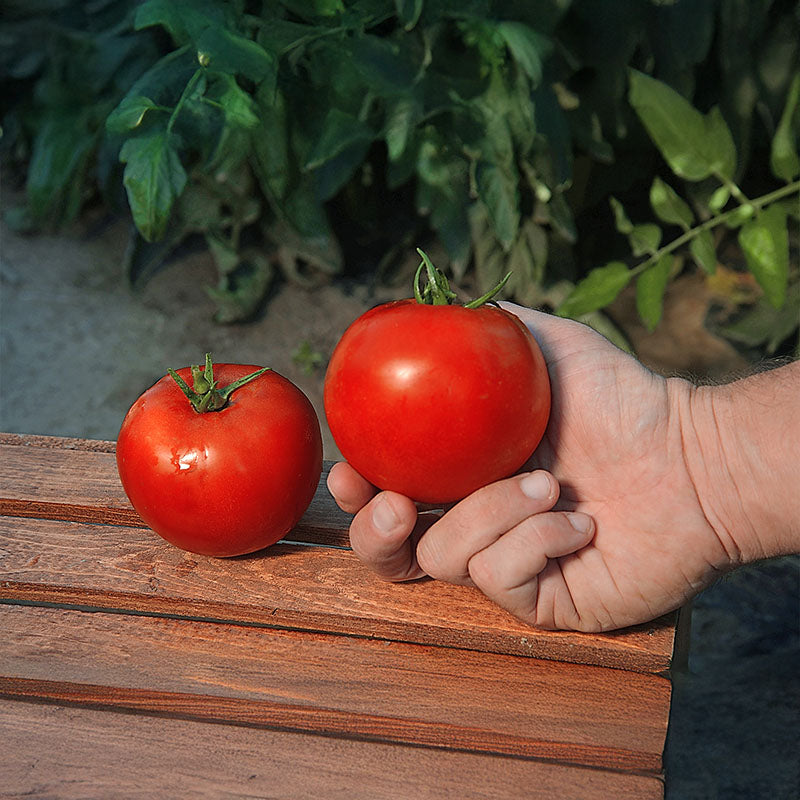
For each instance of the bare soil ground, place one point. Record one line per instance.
(78, 346)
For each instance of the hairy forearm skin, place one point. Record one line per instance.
(742, 451)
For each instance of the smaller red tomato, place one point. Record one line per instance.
(221, 472)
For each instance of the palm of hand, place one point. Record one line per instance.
(614, 444)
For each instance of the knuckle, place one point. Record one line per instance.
(481, 568)
(431, 559)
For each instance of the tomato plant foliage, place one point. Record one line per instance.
(281, 132)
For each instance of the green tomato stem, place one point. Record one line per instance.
(204, 395)
(437, 291)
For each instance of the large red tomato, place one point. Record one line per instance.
(435, 401)
(221, 482)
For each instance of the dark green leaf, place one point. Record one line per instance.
(450, 220)
(240, 291)
(165, 13)
(401, 116)
(703, 251)
(238, 104)
(154, 178)
(340, 131)
(765, 242)
(528, 48)
(762, 325)
(56, 177)
(224, 51)
(499, 192)
(270, 143)
(382, 63)
(650, 288)
(668, 206)
(599, 288)
(129, 114)
(784, 160)
(694, 146)
(167, 78)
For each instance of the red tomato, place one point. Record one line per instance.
(435, 401)
(224, 482)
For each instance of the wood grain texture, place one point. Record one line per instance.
(351, 687)
(79, 482)
(288, 586)
(69, 753)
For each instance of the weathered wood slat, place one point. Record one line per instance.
(123, 755)
(353, 687)
(290, 586)
(76, 479)
(80, 484)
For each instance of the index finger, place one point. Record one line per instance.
(350, 491)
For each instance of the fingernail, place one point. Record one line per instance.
(582, 523)
(383, 516)
(536, 485)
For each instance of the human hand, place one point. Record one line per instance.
(605, 530)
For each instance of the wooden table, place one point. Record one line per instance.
(129, 668)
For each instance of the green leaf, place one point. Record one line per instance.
(668, 206)
(720, 147)
(740, 215)
(340, 131)
(401, 116)
(765, 242)
(56, 173)
(499, 192)
(719, 199)
(528, 48)
(645, 239)
(650, 288)
(154, 177)
(239, 105)
(224, 51)
(382, 64)
(762, 325)
(129, 114)
(240, 291)
(621, 219)
(694, 146)
(270, 143)
(599, 288)
(784, 160)
(164, 13)
(703, 251)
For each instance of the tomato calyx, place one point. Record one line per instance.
(204, 394)
(437, 291)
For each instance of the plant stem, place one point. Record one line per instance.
(184, 96)
(758, 203)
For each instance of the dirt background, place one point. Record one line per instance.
(78, 345)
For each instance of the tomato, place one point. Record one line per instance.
(436, 400)
(228, 480)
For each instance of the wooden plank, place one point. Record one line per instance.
(289, 586)
(82, 754)
(352, 687)
(79, 482)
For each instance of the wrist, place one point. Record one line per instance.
(740, 443)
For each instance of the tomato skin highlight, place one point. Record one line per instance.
(227, 482)
(434, 402)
